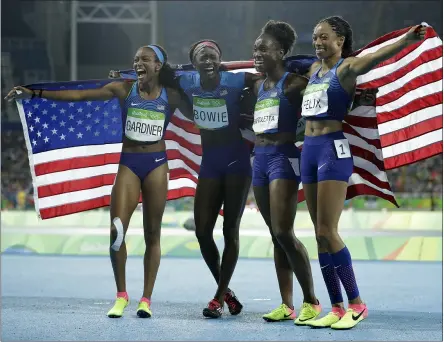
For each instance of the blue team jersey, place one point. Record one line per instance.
(325, 98)
(273, 112)
(145, 120)
(219, 108)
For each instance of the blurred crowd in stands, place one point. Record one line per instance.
(16, 177)
(420, 180)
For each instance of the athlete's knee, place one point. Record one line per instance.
(231, 228)
(275, 241)
(325, 229)
(151, 233)
(324, 236)
(152, 236)
(117, 234)
(231, 234)
(323, 242)
(232, 222)
(204, 235)
(288, 241)
(284, 236)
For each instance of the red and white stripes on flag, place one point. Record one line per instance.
(409, 101)
(404, 127)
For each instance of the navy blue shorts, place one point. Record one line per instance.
(231, 159)
(275, 162)
(141, 164)
(326, 157)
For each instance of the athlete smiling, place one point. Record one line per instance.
(147, 104)
(225, 171)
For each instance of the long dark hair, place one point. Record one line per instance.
(167, 75)
(343, 29)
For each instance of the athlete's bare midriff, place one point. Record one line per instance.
(280, 138)
(142, 147)
(321, 127)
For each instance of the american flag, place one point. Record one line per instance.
(74, 148)
(409, 100)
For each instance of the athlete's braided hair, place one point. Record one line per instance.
(283, 32)
(343, 29)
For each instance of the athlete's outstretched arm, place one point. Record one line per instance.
(356, 66)
(107, 92)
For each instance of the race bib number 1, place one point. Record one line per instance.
(342, 148)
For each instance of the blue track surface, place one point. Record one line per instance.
(66, 298)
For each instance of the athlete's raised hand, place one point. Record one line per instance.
(19, 93)
(366, 97)
(416, 33)
(114, 74)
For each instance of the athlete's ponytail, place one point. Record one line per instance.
(167, 76)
